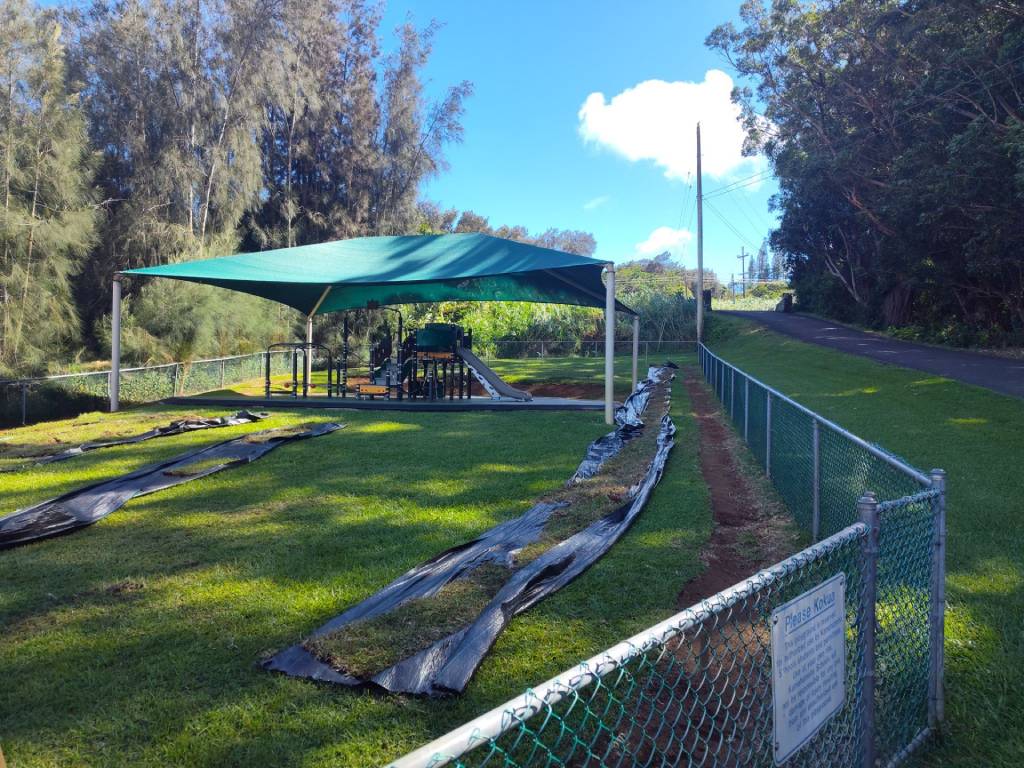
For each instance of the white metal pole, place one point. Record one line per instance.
(114, 380)
(636, 347)
(308, 366)
(700, 246)
(609, 344)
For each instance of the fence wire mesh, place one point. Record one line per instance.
(904, 642)
(820, 471)
(697, 689)
(30, 400)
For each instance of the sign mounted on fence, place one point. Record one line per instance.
(808, 664)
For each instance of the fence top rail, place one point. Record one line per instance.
(106, 372)
(874, 450)
(504, 717)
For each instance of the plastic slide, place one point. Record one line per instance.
(496, 387)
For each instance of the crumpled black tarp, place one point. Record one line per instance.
(85, 506)
(628, 425)
(447, 665)
(174, 428)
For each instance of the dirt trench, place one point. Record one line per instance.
(751, 529)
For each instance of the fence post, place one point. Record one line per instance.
(768, 433)
(746, 409)
(936, 693)
(24, 404)
(867, 512)
(732, 394)
(174, 380)
(816, 493)
(222, 374)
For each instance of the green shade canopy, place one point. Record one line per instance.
(380, 271)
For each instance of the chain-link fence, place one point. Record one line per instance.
(25, 401)
(701, 688)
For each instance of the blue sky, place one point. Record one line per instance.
(620, 167)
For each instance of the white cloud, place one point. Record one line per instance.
(665, 239)
(656, 120)
(597, 202)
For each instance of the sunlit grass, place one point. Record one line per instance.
(977, 436)
(245, 562)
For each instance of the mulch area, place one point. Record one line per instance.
(555, 389)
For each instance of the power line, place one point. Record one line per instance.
(686, 198)
(729, 224)
(747, 181)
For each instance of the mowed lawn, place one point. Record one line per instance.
(977, 436)
(136, 642)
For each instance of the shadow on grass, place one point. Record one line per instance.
(243, 563)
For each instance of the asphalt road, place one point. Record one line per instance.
(999, 374)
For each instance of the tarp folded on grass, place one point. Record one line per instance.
(447, 665)
(85, 506)
(177, 427)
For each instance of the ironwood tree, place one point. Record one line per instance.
(48, 221)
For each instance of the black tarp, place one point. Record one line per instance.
(628, 425)
(447, 665)
(177, 427)
(84, 506)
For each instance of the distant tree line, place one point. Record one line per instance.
(896, 130)
(138, 132)
(659, 289)
(765, 266)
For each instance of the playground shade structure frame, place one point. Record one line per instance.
(369, 272)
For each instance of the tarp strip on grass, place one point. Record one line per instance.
(84, 506)
(447, 665)
(177, 427)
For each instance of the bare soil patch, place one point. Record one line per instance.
(751, 529)
(564, 389)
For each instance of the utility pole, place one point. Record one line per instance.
(700, 247)
(743, 265)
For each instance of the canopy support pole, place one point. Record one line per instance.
(307, 368)
(636, 347)
(114, 379)
(609, 344)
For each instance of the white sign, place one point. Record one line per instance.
(808, 664)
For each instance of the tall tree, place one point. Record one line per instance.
(173, 94)
(413, 133)
(48, 219)
(895, 130)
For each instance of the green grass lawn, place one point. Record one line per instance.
(135, 642)
(977, 436)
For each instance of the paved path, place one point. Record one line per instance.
(999, 374)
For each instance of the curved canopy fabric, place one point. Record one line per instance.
(379, 271)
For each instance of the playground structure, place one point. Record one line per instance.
(386, 272)
(433, 363)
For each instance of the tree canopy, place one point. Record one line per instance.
(140, 132)
(896, 130)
